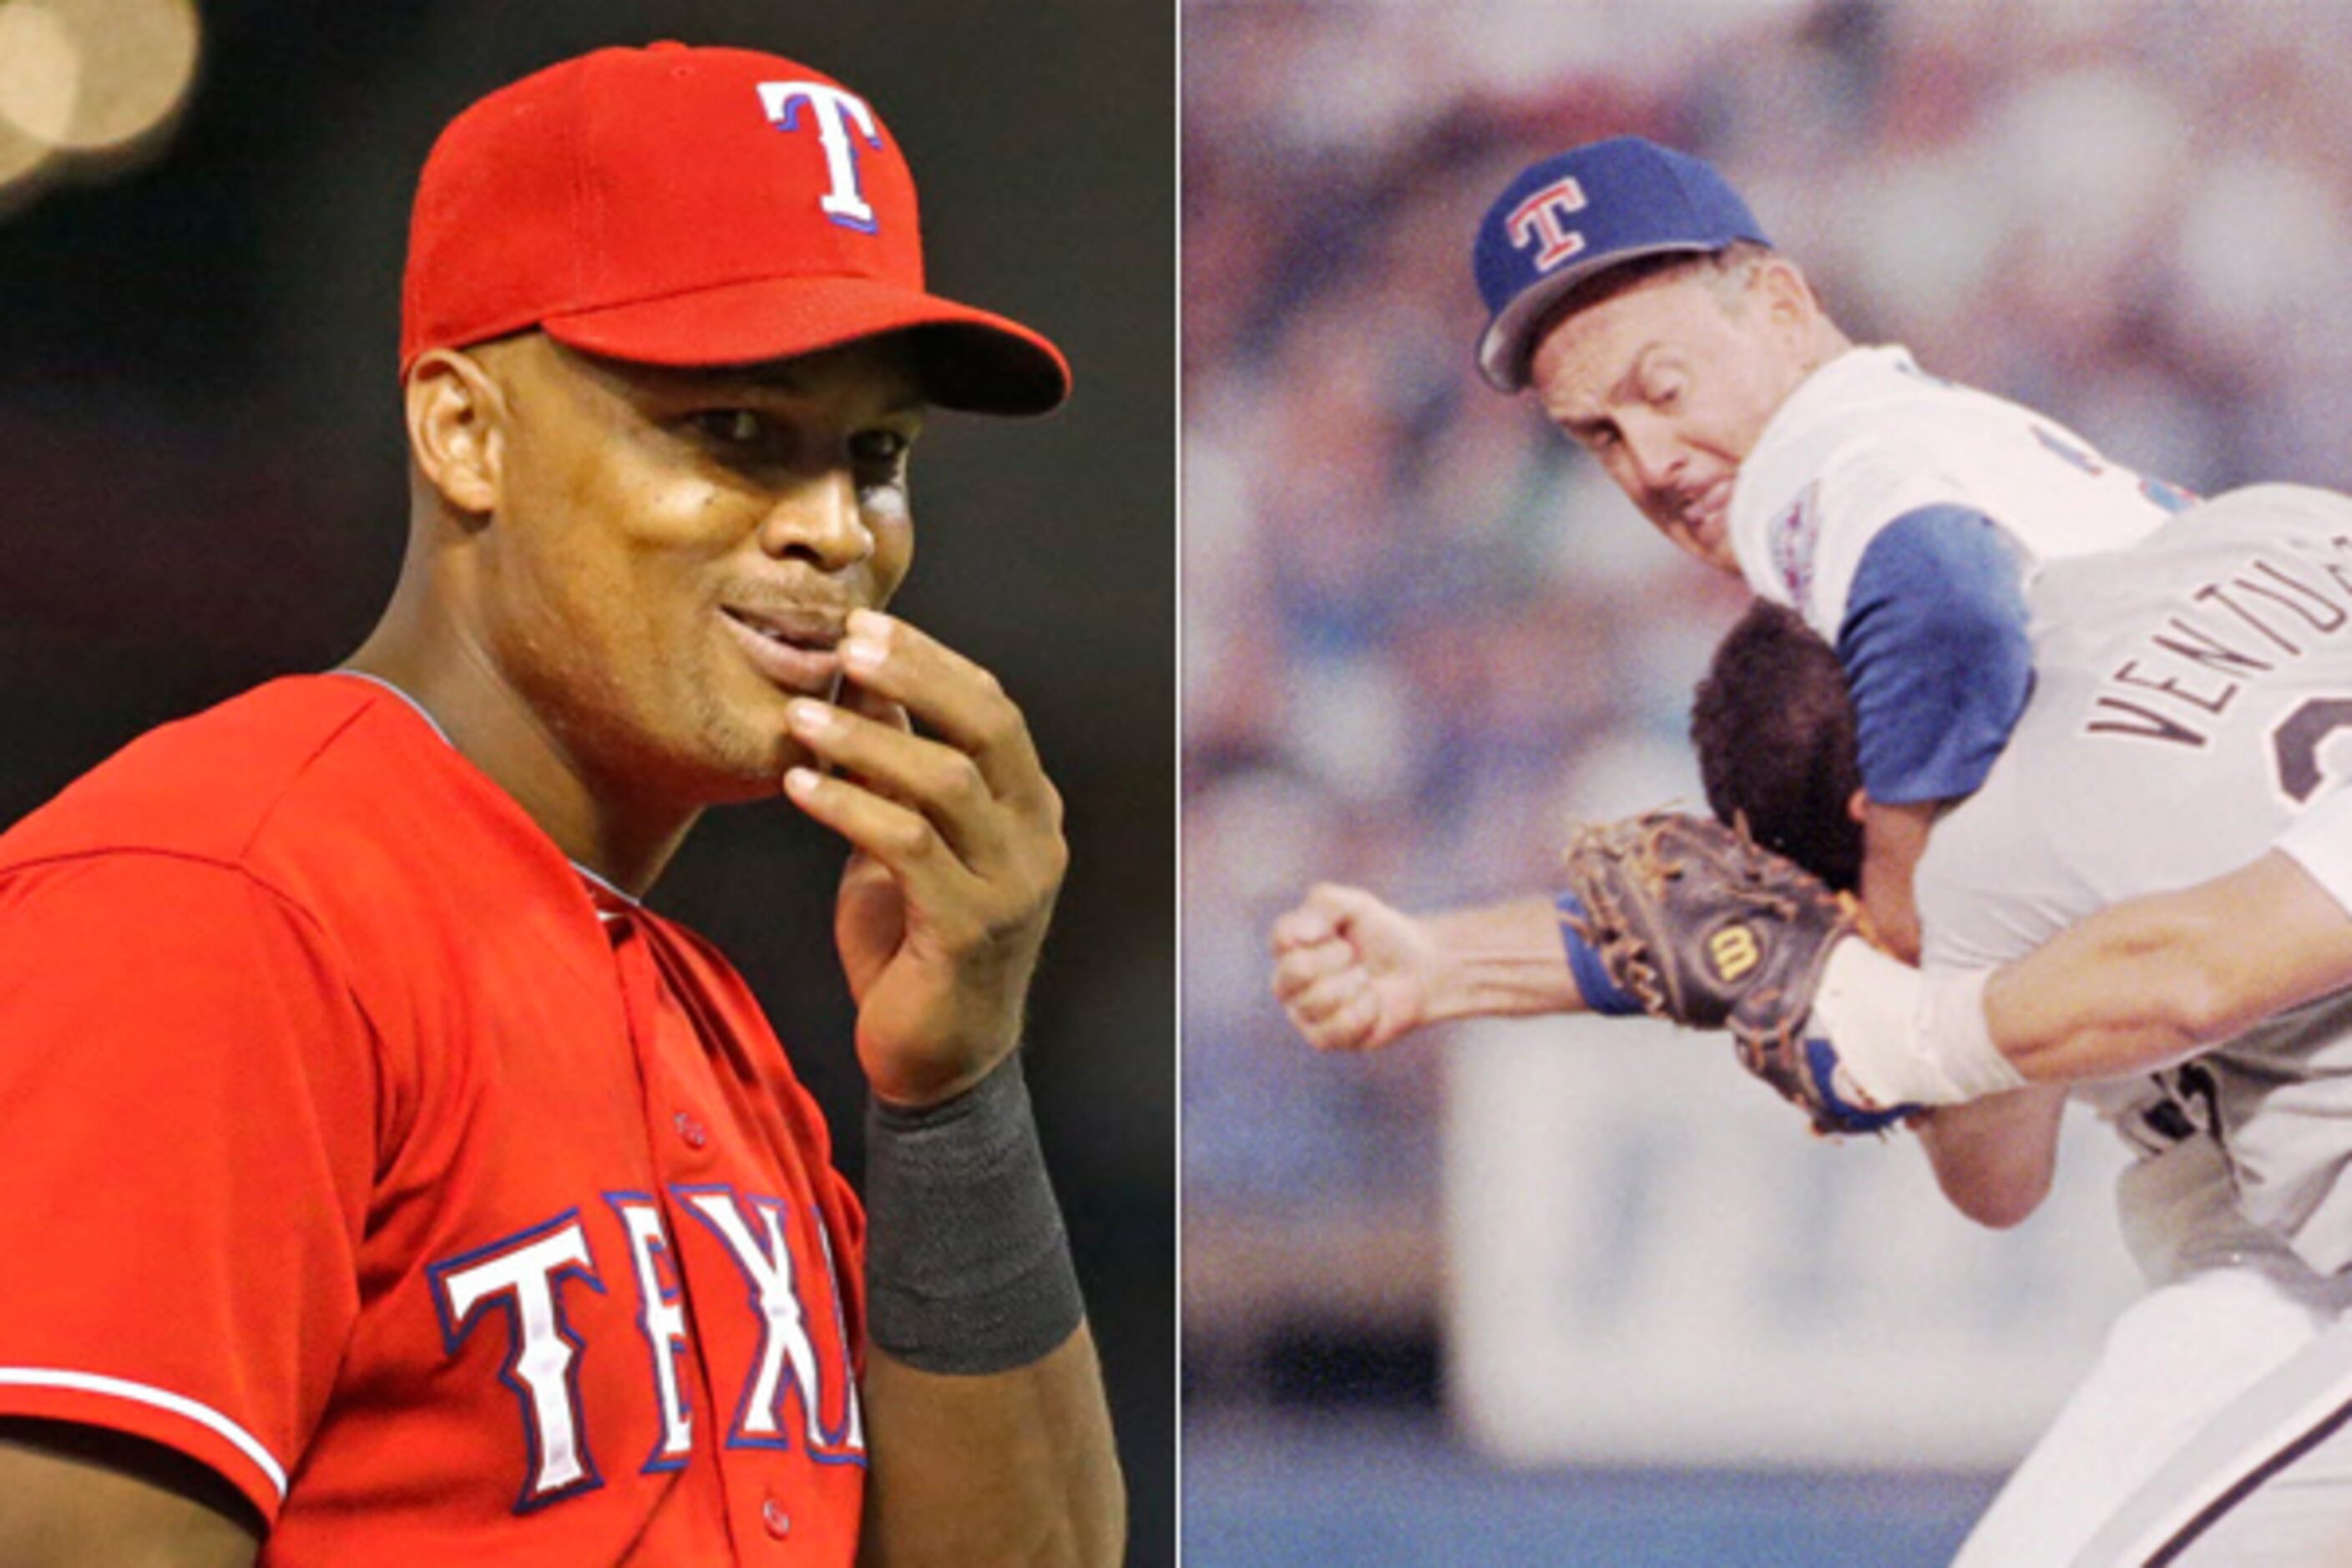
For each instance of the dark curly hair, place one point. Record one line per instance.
(1774, 727)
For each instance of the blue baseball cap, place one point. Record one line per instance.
(1588, 209)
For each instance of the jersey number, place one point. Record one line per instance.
(2295, 740)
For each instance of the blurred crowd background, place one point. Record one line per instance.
(203, 212)
(1421, 632)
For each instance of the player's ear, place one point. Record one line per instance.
(456, 413)
(1857, 804)
(1786, 297)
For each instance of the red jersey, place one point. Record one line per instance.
(452, 1205)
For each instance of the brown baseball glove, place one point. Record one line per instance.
(1705, 926)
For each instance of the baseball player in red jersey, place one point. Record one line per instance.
(386, 1183)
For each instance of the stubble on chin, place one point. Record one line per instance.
(744, 755)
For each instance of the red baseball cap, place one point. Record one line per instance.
(691, 206)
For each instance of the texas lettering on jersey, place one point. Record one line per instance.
(521, 1283)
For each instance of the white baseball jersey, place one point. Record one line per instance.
(1869, 438)
(2191, 698)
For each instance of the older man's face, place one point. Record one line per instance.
(1669, 385)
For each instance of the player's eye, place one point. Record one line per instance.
(880, 448)
(879, 457)
(731, 426)
(1665, 395)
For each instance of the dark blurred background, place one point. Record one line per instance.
(202, 479)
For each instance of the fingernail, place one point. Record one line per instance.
(800, 781)
(810, 716)
(859, 653)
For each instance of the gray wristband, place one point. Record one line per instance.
(967, 1266)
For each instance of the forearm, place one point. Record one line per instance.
(1502, 960)
(2135, 987)
(1939, 1037)
(1993, 1158)
(2122, 993)
(1014, 1467)
(2147, 983)
(988, 1438)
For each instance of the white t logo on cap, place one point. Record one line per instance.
(1540, 216)
(836, 112)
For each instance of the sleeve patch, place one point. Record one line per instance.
(1790, 540)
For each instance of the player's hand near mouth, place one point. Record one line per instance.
(959, 854)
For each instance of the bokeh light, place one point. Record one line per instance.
(87, 86)
(40, 76)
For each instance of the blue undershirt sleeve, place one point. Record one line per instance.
(1936, 652)
(1601, 995)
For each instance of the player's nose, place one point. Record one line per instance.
(1657, 459)
(818, 518)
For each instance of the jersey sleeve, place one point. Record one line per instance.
(186, 1143)
(1935, 650)
(1806, 553)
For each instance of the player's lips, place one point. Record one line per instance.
(793, 646)
(1703, 511)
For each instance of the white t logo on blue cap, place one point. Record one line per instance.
(1541, 217)
(1628, 197)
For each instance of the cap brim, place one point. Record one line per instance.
(969, 359)
(1507, 344)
